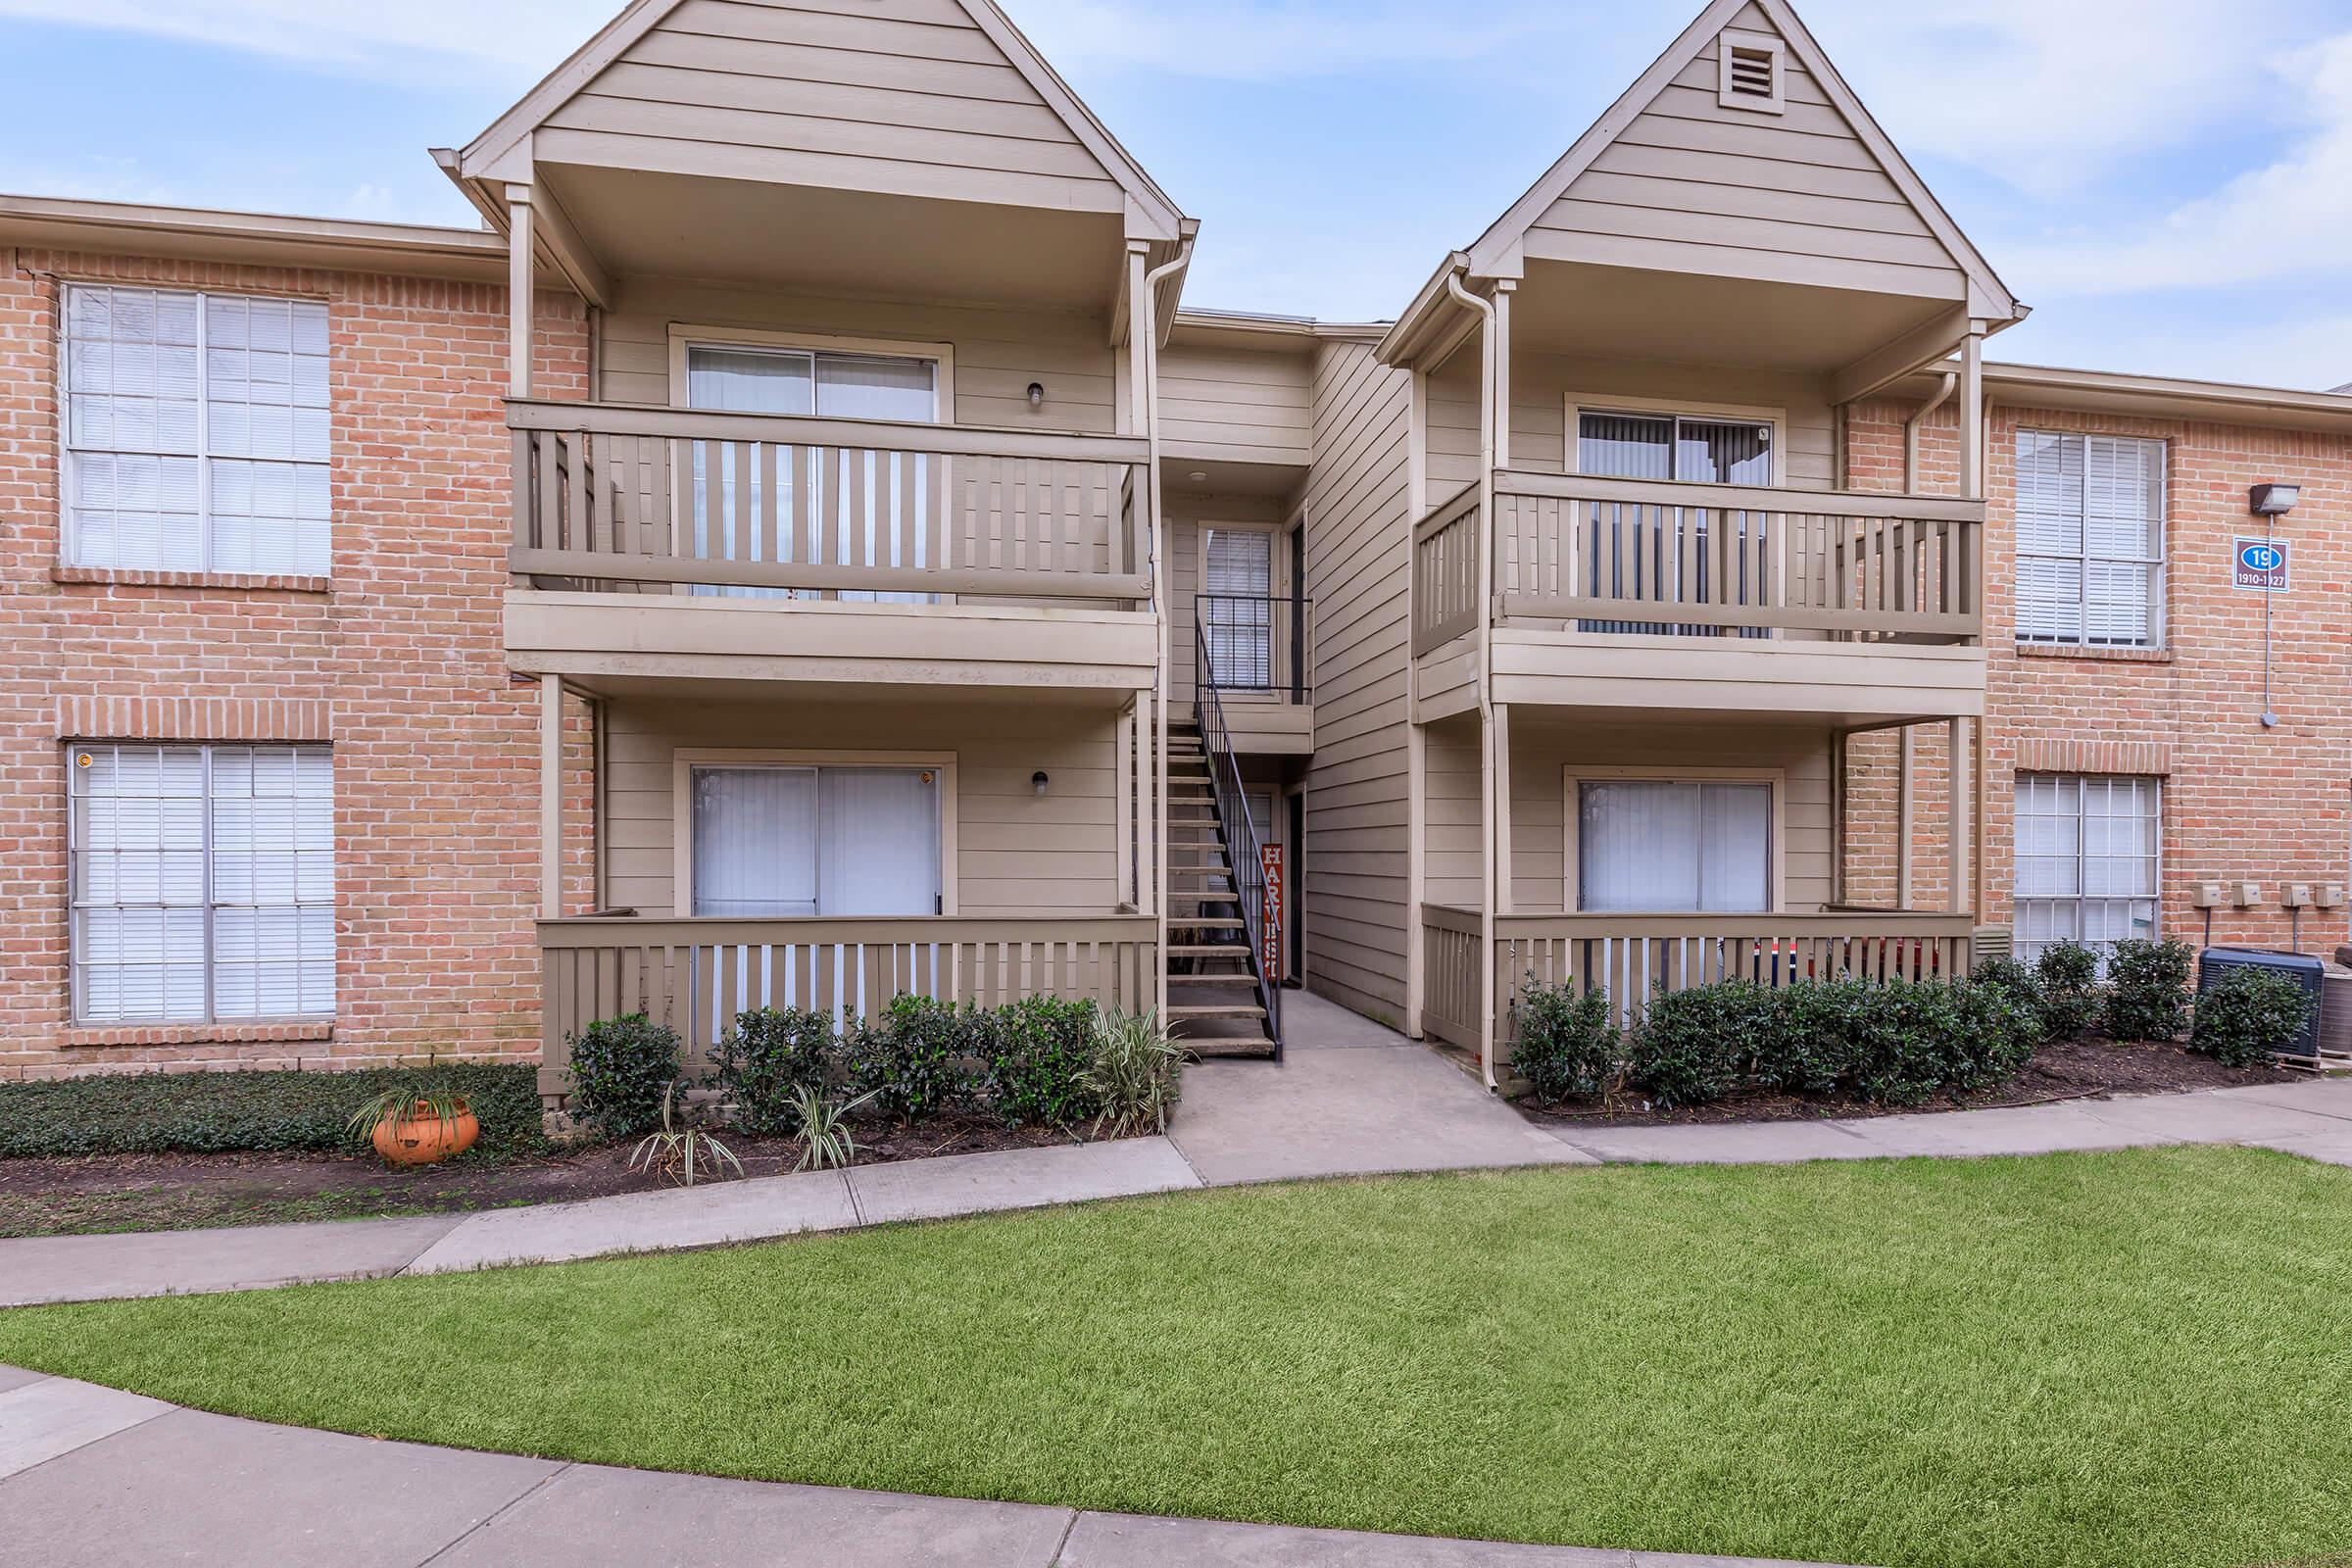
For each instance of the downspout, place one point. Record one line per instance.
(1911, 426)
(1487, 416)
(1143, 319)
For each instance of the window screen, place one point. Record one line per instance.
(196, 431)
(203, 882)
(1674, 845)
(2089, 540)
(2086, 859)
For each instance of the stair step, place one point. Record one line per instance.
(1216, 1010)
(1225, 1045)
(1249, 980)
(1212, 952)
(1222, 922)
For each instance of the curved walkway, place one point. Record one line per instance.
(91, 1477)
(1352, 1099)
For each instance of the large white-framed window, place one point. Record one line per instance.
(1673, 840)
(196, 431)
(765, 834)
(2090, 858)
(832, 378)
(2089, 540)
(203, 882)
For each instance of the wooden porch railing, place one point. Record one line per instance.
(1705, 560)
(697, 975)
(637, 498)
(1636, 955)
(1446, 572)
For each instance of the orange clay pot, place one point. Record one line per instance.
(424, 1139)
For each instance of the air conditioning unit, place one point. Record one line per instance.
(2306, 971)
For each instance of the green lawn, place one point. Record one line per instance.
(2140, 1358)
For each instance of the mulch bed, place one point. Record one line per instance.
(182, 1192)
(2072, 1069)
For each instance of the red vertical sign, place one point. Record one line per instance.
(1270, 857)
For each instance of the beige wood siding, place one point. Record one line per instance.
(1015, 852)
(901, 96)
(999, 353)
(1358, 572)
(1690, 185)
(1452, 869)
(1542, 754)
(1236, 406)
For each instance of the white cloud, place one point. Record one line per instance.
(529, 36)
(2292, 218)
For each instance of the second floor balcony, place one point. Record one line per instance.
(1663, 595)
(662, 542)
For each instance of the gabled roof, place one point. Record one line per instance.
(501, 152)
(1496, 252)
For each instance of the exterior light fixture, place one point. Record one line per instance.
(1037, 783)
(1037, 395)
(2273, 500)
(1199, 477)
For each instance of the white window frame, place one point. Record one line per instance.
(1763, 44)
(941, 355)
(2081, 898)
(1278, 587)
(1576, 775)
(685, 760)
(69, 545)
(1578, 404)
(212, 1016)
(2160, 580)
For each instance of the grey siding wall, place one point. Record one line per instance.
(1357, 870)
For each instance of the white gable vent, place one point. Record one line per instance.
(1752, 70)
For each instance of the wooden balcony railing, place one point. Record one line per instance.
(1634, 957)
(633, 498)
(1641, 556)
(697, 975)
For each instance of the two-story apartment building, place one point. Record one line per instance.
(801, 549)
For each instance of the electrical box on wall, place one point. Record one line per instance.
(2295, 896)
(2205, 896)
(2247, 894)
(2332, 896)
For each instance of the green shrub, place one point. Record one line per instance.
(2248, 1016)
(1567, 1049)
(768, 1059)
(1136, 1076)
(1034, 1054)
(919, 1058)
(1805, 1045)
(621, 1070)
(2147, 989)
(1695, 1046)
(2067, 990)
(266, 1112)
(2018, 980)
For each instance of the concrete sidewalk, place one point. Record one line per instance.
(1350, 1100)
(89, 1476)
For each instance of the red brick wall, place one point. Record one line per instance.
(396, 659)
(2240, 803)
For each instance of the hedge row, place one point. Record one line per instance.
(1898, 1043)
(223, 1113)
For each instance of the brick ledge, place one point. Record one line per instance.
(198, 1034)
(2096, 655)
(249, 582)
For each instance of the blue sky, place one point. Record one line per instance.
(2169, 183)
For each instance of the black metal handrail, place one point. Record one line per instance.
(1239, 829)
(1258, 643)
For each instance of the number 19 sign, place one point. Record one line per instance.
(2260, 564)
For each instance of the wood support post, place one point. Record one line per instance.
(551, 797)
(520, 247)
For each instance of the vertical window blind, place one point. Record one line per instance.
(1661, 845)
(1651, 537)
(1236, 587)
(196, 431)
(203, 882)
(2089, 540)
(2086, 859)
(774, 841)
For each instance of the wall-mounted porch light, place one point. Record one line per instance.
(1037, 396)
(1037, 783)
(2273, 500)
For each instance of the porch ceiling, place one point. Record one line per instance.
(1616, 312)
(865, 695)
(829, 241)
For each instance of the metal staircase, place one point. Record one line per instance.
(1221, 1001)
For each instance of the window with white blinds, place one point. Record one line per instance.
(771, 841)
(196, 431)
(1236, 609)
(1655, 844)
(203, 882)
(2089, 540)
(2087, 854)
